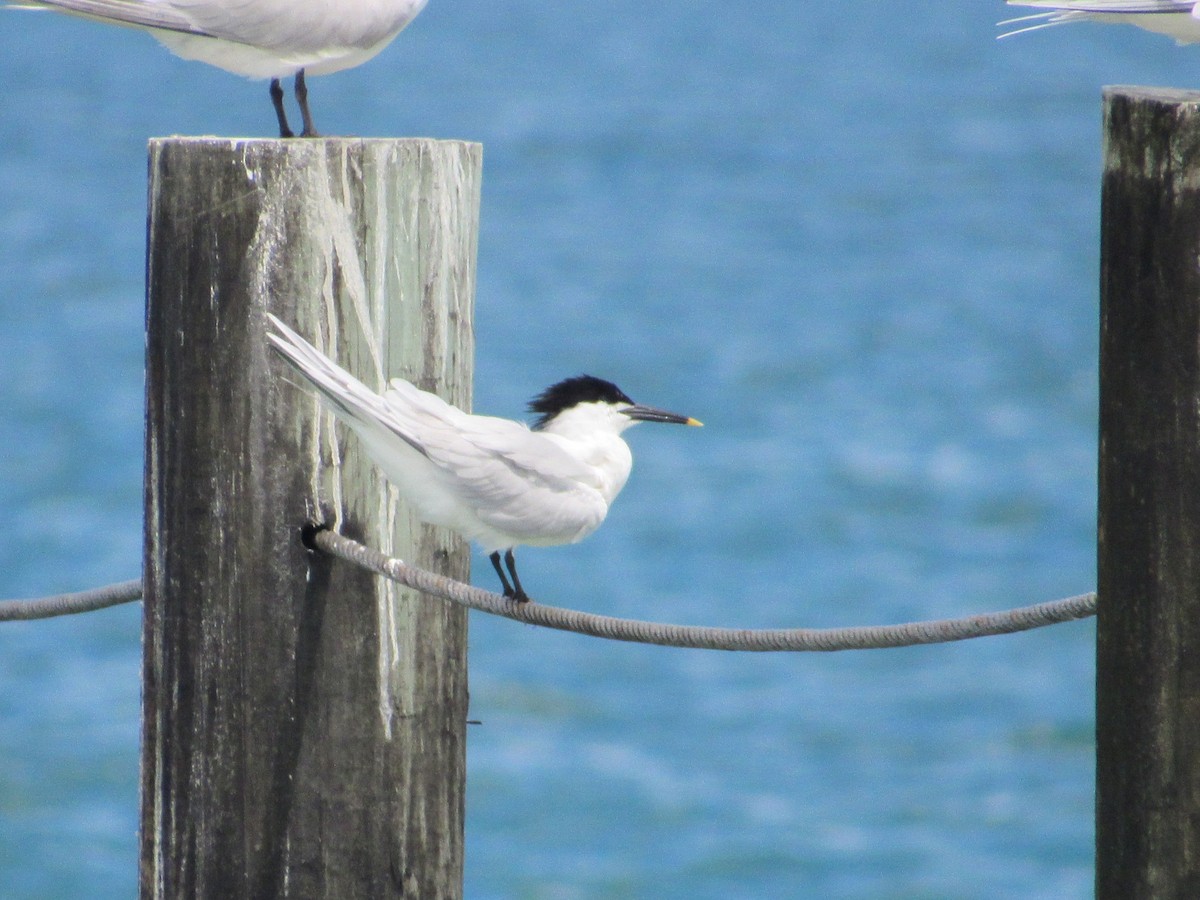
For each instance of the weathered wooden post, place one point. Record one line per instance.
(303, 722)
(1148, 655)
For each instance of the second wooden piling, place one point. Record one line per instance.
(1148, 630)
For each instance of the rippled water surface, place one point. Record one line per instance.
(859, 242)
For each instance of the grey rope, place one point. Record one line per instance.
(793, 639)
(823, 639)
(65, 604)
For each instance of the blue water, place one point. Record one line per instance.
(858, 241)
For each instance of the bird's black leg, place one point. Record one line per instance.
(519, 592)
(277, 102)
(508, 591)
(302, 99)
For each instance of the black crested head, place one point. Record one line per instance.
(571, 392)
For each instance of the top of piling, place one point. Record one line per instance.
(1144, 92)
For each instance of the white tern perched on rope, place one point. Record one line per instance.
(497, 482)
(1170, 17)
(260, 38)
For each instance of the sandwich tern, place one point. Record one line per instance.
(1173, 18)
(494, 481)
(260, 38)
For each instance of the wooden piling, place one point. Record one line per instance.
(303, 722)
(1148, 653)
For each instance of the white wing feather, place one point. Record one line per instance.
(1111, 6)
(122, 12)
(1173, 18)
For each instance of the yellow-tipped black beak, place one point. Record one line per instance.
(650, 414)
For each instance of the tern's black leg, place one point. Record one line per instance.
(277, 102)
(302, 99)
(511, 562)
(508, 591)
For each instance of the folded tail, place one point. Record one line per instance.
(351, 400)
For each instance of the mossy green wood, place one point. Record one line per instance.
(303, 722)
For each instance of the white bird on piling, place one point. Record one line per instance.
(260, 38)
(497, 482)
(1173, 18)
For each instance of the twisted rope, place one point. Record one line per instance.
(66, 604)
(867, 637)
(793, 639)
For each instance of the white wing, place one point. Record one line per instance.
(301, 25)
(288, 27)
(1173, 18)
(491, 479)
(1111, 6)
(516, 481)
(135, 13)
